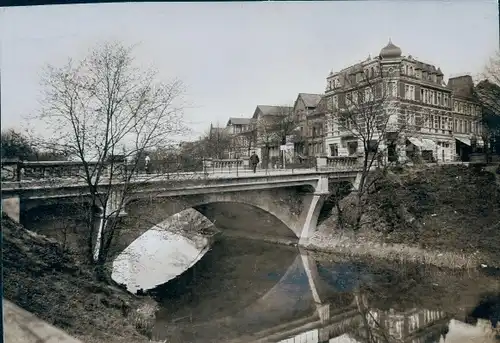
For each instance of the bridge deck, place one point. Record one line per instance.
(181, 176)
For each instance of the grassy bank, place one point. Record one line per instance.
(445, 216)
(46, 280)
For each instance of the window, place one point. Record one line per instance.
(439, 100)
(392, 88)
(455, 106)
(407, 92)
(334, 150)
(422, 95)
(461, 127)
(410, 117)
(412, 92)
(436, 122)
(368, 94)
(455, 128)
(445, 97)
(335, 102)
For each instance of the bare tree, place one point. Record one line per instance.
(217, 143)
(367, 109)
(100, 107)
(16, 145)
(273, 129)
(487, 92)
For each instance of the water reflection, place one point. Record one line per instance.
(245, 291)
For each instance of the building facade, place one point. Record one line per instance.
(434, 127)
(272, 124)
(310, 125)
(241, 138)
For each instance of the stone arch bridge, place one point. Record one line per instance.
(294, 197)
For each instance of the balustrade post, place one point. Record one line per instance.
(19, 165)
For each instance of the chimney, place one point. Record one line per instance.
(462, 86)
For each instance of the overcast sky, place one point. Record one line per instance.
(234, 56)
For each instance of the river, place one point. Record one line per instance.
(249, 291)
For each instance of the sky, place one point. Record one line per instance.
(234, 56)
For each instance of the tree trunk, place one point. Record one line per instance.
(360, 193)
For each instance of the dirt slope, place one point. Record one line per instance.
(44, 279)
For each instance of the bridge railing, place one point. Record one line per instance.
(16, 171)
(36, 170)
(341, 162)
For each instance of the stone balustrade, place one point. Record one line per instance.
(337, 162)
(30, 170)
(24, 327)
(26, 171)
(212, 164)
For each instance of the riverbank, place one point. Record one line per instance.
(447, 216)
(44, 279)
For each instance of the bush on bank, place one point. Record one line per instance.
(451, 208)
(45, 279)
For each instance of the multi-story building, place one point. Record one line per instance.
(466, 115)
(271, 125)
(241, 137)
(310, 120)
(419, 98)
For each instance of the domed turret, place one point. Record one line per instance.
(390, 51)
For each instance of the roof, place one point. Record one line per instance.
(267, 110)
(310, 100)
(390, 51)
(322, 106)
(239, 121)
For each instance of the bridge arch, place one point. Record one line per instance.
(286, 204)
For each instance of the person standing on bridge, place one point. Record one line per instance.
(254, 160)
(146, 164)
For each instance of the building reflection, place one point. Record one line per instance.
(302, 304)
(413, 326)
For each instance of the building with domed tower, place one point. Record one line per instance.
(440, 119)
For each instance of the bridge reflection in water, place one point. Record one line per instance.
(243, 293)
